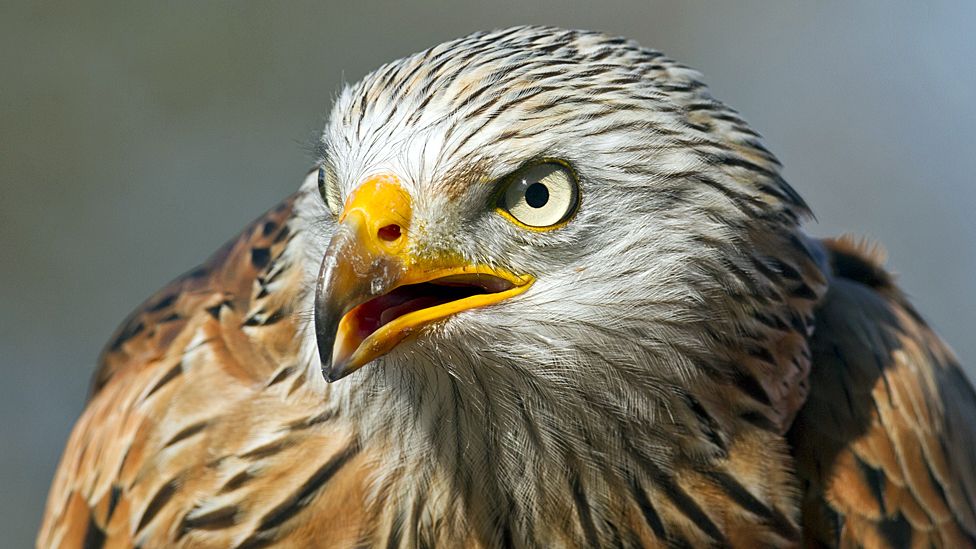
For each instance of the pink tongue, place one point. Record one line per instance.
(422, 302)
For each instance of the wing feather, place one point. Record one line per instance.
(884, 444)
(188, 404)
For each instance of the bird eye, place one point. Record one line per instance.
(328, 188)
(540, 196)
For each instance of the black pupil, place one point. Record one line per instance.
(537, 195)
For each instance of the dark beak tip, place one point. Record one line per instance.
(333, 373)
(329, 373)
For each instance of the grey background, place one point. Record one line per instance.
(134, 140)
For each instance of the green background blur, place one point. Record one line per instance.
(135, 139)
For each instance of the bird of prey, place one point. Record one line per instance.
(541, 289)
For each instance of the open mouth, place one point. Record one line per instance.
(374, 327)
(372, 315)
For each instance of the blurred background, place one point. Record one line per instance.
(135, 139)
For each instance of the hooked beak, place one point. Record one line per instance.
(373, 291)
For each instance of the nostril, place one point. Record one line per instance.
(389, 233)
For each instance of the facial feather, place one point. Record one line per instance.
(633, 298)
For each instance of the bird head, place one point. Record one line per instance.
(541, 210)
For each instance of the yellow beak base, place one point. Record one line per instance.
(373, 292)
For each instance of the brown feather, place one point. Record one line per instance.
(165, 453)
(871, 444)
